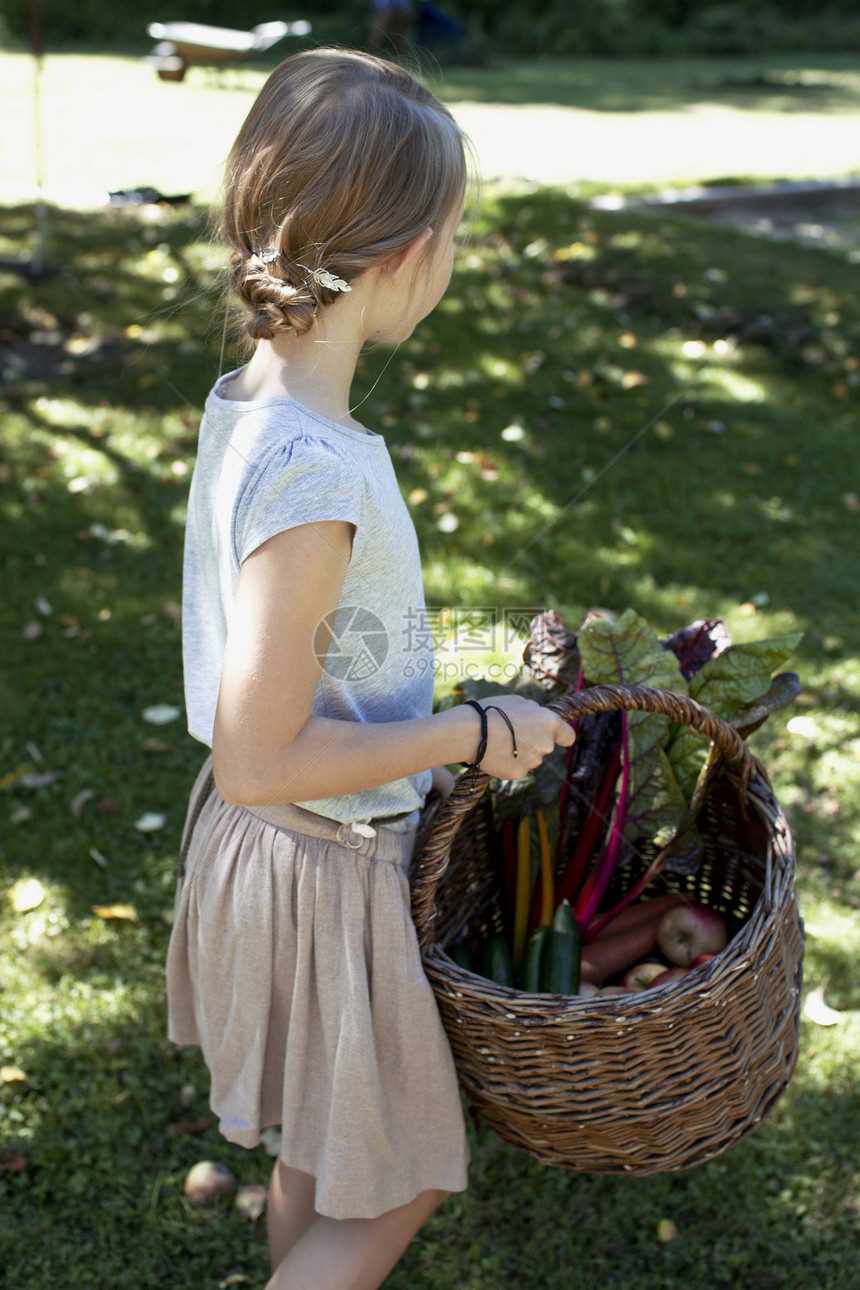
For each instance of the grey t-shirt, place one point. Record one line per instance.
(263, 467)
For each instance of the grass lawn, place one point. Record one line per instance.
(109, 123)
(607, 410)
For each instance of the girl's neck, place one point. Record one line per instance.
(313, 370)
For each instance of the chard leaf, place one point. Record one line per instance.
(656, 805)
(741, 674)
(784, 689)
(696, 644)
(730, 684)
(628, 652)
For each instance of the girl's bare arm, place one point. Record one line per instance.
(267, 747)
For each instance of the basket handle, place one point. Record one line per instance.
(678, 707)
(432, 856)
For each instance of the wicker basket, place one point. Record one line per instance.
(660, 1080)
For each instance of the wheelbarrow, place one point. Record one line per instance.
(183, 44)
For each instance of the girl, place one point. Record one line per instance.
(293, 961)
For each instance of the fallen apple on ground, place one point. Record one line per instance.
(206, 1181)
(688, 931)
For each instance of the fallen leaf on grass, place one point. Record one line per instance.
(160, 713)
(150, 821)
(154, 745)
(100, 860)
(39, 779)
(818, 1012)
(13, 1164)
(108, 805)
(79, 801)
(26, 894)
(190, 1126)
(12, 776)
(126, 912)
(32, 631)
(666, 1231)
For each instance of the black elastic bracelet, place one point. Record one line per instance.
(507, 722)
(482, 746)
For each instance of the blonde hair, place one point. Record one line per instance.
(342, 161)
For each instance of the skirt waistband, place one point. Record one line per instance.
(381, 844)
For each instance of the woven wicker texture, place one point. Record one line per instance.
(637, 1083)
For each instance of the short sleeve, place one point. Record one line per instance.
(305, 481)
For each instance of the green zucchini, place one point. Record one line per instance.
(530, 976)
(462, 956)
(496, 963)
(561, 958)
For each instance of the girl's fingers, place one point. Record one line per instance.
(566, 735)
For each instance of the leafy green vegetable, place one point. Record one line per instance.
(627, 651)
(741, 673)
(739, 676)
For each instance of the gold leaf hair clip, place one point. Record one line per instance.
(323, 278)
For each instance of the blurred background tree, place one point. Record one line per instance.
(606, 28)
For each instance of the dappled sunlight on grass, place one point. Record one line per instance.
(663, 422)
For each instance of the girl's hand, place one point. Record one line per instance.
(537, 730)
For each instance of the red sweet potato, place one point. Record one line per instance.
(641, 912)
(610, 955)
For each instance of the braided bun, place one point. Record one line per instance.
(343, 160)
(275, 306)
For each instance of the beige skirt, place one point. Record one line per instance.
(294, 964)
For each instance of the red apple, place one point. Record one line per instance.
(641, 976)
(612, 989)
(670, 974)
(699, 960)
(687, 931)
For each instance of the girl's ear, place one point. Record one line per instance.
(405, 260)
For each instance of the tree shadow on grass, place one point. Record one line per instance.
(570, 433)
(776, 1211)
(607, 409)
(99, 1199)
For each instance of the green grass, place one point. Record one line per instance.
(771, 83)
(108, 123)
(686, 405)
